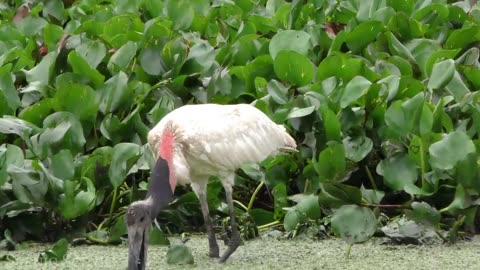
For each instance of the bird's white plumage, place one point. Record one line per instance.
(215, 140)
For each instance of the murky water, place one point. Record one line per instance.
(269, 254)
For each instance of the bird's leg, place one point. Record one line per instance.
(200, 190)
(235, 240)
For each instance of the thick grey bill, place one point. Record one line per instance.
(137, 247)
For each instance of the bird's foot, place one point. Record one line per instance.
(234, 243)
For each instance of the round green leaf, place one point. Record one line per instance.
(179, 254)
(298, 41)
(292, 218)
(398, 172)
(451, 149)
(293, 67)
(151, 60)
(309, 206)
(355, 89)
(354, 224)
(357, 148)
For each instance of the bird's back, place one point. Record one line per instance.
(221, 137)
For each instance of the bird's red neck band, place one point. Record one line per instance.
(166, 152)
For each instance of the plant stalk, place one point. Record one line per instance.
(268, 225)
(112, 206)
(241, 205)
(347, 252)
(252, 199)
(370, 177)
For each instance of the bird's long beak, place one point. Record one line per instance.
(137, 247)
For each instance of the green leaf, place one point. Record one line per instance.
(442, 74)
(454, 147)
(357, 148)
(293, 67)
(151, 60)
(331, 162)
(9, 154)
(67, 97)
(157, 237)
(461, 201)
(121, 59)
(62, 130)
(62, 165)
(179, 254)
(398, 172)
(114, 93)
(7, 258)
(43, 70)
(354, 224)
(425, 214)
(298, 41)
(181, 13)
(300, 112)
(309, 206)
(277, 91)
(461, 38)
(363, 34)
(344, 193)
(81, 67)
(124, 157)
(77, 201)
(57, 253)
(92, 52)
(280, 200)
(355, 89)
(200, 58)
(293, 217)
(371, 195)
(8, 89)
(397, 48)
(331, 124)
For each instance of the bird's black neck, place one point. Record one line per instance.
(159, 191)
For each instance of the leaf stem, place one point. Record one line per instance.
(241, 205)
(268, 225)
(347, 251)
(422, 164)
(399, 206)
(307, 183)
(112, 206)
(370, 177)
(252, 199)
(97, 241)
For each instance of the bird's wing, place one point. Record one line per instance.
(233, 137)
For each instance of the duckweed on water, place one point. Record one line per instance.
(269, 254)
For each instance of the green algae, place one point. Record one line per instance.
(268, 253)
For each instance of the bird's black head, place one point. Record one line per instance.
(138, 222)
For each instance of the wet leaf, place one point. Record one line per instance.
(354, 224)
(293, 67)
(57, 253)
(451, 149)
(179, 254)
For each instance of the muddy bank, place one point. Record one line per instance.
(269, 254)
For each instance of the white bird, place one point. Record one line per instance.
(191, 144)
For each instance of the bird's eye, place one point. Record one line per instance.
(141, 219)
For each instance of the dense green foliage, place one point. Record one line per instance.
(379, 94)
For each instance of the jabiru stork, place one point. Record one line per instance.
(191, 144)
